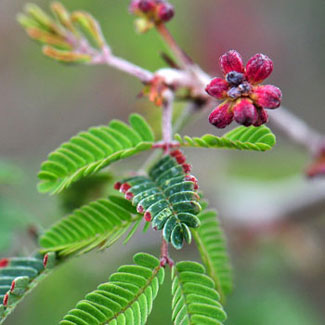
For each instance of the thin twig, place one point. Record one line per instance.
(167, 115)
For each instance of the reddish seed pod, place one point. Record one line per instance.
(267, 96)
(258, 68)
(147, 216)
(222, 115)
(231, 61)
(217, 88)
(245, 112)
(4, 262)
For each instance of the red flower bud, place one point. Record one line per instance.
(222, 115)
(262, 116)
(176, 153)
(165, 12)
(245, 112)
(231, 61)
(187, 168)
(267, 96)
(258, 68)
(217, 88)
(146, 5)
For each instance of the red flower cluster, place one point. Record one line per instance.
(245, 99)
(153, 11)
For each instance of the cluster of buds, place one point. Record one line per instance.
(151, 13)
(244, 98)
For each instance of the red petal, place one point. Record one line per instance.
(231, 61)
(262, 116)
(245, 112)
(222, 115)
(267, 96)
(258, 68)
(217, 88)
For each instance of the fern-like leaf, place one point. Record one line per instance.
(167, 198)
(98, 224)
(195, 301)
(211, 244)
(91, 151)
(126, 299)
(242, 138)
(18, 276)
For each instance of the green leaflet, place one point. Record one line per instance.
(195, 300)
(93, 150)
(18, 276)
(126, 299)
(167, 198)
(242, 138)
(211, 244)
(98, 224)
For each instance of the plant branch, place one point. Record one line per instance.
(167, 115)
(297, 130)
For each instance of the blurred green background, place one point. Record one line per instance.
(273, 216)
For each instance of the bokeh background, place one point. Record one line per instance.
(273, 216)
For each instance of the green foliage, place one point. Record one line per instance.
(18, 276)
(126, 299)
(91, 151)
(168, 198)
(211, 244)
(98, 224)
(242, 138)
(195, 301)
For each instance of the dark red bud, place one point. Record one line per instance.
(147, 216)
(258, 68)
(245, 112)
(180, 159)
(129, 195)
(140, 208)
(217, 88)
(187, 168)
(231, 61)
(222, 115)
(146, 5)
(45, 260)
(5, 299)
(262, 116)
(117, 186)
(165, 12)
(125, 187)
(267, 96)
(4, 262)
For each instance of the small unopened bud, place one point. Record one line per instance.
(231, 61)
(165, 12)
(245, 112)
(262, 116)
(187, 168)
(258, 68)
(222, 115)
(267, 96)
(217, 88)
(117, 186)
